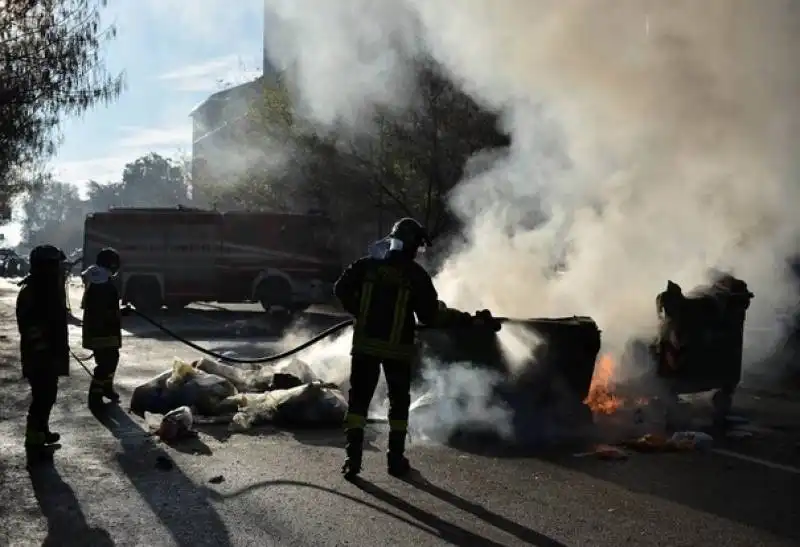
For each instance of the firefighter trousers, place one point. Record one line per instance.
(106, 361)
(44, 390)
(364, 374)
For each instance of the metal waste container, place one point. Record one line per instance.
(700, 341)
(553, 382)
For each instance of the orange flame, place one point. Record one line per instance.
(601, 400)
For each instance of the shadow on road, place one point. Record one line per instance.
(450, 533)
(65, 519)
(734, 490)
(530, 537)
(178, 503)
(424, 521)
(332, 437)
(193, 445)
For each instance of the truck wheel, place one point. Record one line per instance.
(145, 294)
(273, 292)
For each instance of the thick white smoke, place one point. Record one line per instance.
(657, 136)
(677, 119)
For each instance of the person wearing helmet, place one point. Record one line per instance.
(44, 348)
(102, 325)
(383, 291)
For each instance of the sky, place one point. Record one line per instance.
(174, 53)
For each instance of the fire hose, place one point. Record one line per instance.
(127, 310)
(243, 360)
(257, 360)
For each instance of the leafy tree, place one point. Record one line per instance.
(101, 197)
(50, 67)
(53, 213)
(151, 181)
(420, 155)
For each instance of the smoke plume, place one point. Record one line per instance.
(677, 119)
(656, 137)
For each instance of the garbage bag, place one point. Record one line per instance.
(176, 424)
(184, 385)
(283, 375)
(310, 404)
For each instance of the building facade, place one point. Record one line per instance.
(221, 126)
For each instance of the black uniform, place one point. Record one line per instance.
(44, 349)
(384, 294)
(102, 330)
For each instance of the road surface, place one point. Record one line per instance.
(107, 485)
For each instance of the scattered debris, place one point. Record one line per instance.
(689, 440)
(176, 425)
(648, 443)
(216, 479)
(681, 441)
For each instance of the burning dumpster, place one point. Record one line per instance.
(547, 390)
(699, 346)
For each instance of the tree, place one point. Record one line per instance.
(54, 214)
(101, 197)
(151, 181)
(412, 161)
(420, 155)
(50, 67)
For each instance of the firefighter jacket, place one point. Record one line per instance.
(42, 320)
(383, 294)
(102, 321)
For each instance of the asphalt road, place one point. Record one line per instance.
(283, 488)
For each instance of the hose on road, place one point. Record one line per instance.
(243, 360)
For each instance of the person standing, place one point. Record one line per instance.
(102, 325)
(44, 345)
(383, 292)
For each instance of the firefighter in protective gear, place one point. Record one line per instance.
(102, 325)
(44, 349)
(383, 293)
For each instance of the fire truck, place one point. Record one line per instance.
(175, 256)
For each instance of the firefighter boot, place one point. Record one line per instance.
(36, 446)
(95, 395)
(51, 437)
(109, 392)
(353, 450)
(722, 402)
(397, 463)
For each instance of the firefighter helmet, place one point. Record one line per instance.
(108, 258)
(411, 233)
(46, 255)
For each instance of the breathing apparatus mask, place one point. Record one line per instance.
(407, 236)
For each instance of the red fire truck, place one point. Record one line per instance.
(176, 256)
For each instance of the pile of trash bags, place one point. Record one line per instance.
(287, 394)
